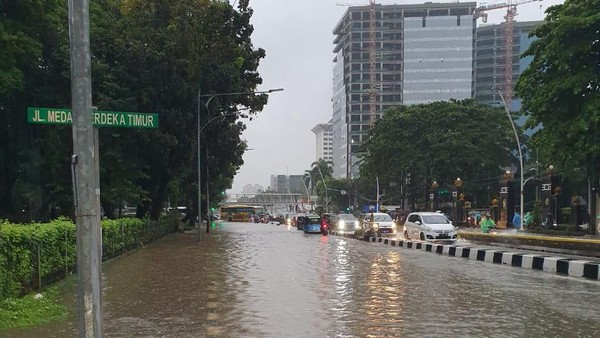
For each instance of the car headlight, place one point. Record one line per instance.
(428, 229)
(356, 224)
(393, 225)
(375, 226)
(342, 224)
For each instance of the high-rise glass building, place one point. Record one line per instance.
(423, 53)
(490, 60)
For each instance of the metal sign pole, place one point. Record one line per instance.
(85, 173)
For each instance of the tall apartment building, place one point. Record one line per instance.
(324, 141)
(424, 53)
(285, 184)
(296, 184)
(490, 60)
(279, 183)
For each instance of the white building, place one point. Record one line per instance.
(324, 141)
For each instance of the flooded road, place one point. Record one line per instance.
(262, 280)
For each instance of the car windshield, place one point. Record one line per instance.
(435, 219)
(346, 217)
(383, 218)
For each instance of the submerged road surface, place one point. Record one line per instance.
(263, 280)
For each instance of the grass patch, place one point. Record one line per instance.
(28, 311)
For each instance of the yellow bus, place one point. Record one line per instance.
(239, 213)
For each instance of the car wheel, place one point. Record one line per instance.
(422, 236)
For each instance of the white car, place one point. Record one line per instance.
(378, 224)
(429, 226)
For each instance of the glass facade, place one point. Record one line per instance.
(490, 60)
(423, 53)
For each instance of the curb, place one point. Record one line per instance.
(558, 265)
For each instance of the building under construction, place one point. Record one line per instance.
(490, 60)
(390, 55)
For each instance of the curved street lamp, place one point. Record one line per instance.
(326, 194)
(512, 123)
(200, 128)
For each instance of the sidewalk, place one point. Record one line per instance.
(587, 246)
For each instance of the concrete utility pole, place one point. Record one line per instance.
(85, 175)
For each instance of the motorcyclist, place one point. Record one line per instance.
(487, 224)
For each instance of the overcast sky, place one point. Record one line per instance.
(297, 36)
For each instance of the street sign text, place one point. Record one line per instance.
(99, 118)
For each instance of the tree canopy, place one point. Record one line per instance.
(560, 90)
(412, 146)
(149, 56)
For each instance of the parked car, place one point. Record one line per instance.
(377, 224)
(345, 224)
(429, 226)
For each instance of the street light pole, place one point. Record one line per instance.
(200, 103)
(326, 195)
(344, 192)
(378, 196)
(199, 171)
(522, 183)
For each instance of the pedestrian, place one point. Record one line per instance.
(487, 224)
(516, 221)
(527, 219)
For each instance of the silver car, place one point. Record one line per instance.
(345, 224)
(378, 224)
(429, 226)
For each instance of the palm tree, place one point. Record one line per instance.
(321, 169)
(308, 181)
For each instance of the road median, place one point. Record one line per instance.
(579, 246)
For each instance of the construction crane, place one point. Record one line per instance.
(511, 12)
(372, 62)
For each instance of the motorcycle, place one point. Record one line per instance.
(324, 228)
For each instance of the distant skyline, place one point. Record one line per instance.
(298, 40)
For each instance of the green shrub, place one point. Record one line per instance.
(34, 255)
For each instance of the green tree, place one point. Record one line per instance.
(147, 56)
(34, 178)
(560, 89)
(175, 49)
(415, 145)
(320, 171)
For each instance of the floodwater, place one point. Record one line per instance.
(263, 280)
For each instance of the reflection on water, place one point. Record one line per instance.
(260, 280)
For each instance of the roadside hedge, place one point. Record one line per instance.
(37, 254)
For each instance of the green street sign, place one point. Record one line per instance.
(99, 118)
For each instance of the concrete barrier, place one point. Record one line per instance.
(511, 257)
